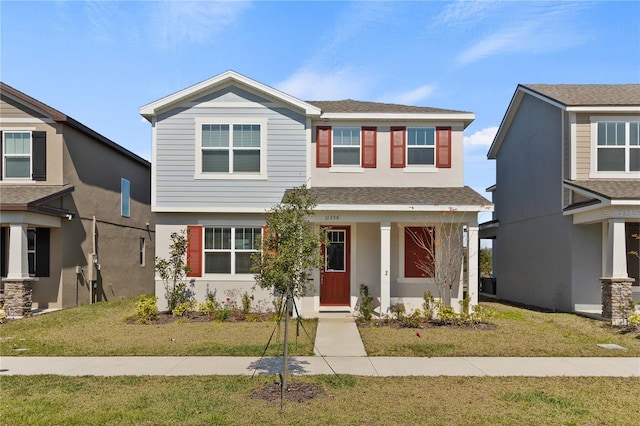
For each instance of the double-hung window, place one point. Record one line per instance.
(617, 146)
(421, 146)
(17, 155)
(346, 146)
(228, 250)
(230, 148)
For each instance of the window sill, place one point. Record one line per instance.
(420, 169)
(405, 280)
(614, 175)
(346, 169)
(17, 181)
(230, 176)
(227, 277)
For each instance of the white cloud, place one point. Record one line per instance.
(463, 13)
(482, 137)
(414, 96)
(175, 22)
(313, 83)
(543, 27)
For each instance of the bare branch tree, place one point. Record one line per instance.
(442, 251)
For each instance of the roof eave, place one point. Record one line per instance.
(152, 109)
(466, 118)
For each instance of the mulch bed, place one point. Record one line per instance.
(296, 392)
(195, 316)
(393, 323)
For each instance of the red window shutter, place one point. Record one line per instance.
(323, 146)
(443, 147)
(194, 251)
(418, 261)
(398, 149)
(369, 147)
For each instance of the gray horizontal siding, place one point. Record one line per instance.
(174, 166)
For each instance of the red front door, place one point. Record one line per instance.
(335, 284)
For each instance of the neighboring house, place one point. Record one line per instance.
(567, 196)
(75, 211)
(226, 150)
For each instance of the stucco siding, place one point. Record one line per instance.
(175, 154)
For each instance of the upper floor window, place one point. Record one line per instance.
(125, 197)
(230, 149)
(24, 155)
(421, 146)
(17, 154)
(617, 146)
(346, 146)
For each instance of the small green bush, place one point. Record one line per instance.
(182, 308)
(366, 307)
(634, 320)
(146, 309)
(247, 300)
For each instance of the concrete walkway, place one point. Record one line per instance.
(339, 350)
(352, 365)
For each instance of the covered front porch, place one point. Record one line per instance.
(372, 242)
(612, 207)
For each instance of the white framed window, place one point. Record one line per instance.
(615, 146)
(228, 250)
(125, 198)
(143, 252)
(16, 155)
(230, 148)
(421, 146)
(346, 146)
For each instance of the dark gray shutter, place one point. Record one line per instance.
(39, 155)
(42, 251)
(3, 252)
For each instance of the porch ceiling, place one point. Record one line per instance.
(389, 196)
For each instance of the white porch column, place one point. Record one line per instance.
(18, 260)
(473, 246)
(616, 250)
(385, 267)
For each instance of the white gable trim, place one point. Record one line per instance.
(228, 77)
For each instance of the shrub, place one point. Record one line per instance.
(247, 300)
(366, 307)
(182, 308)
(146, 309)
(634, 320)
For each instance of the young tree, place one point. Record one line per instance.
(173, 271)
(290, 251)
(443, 252)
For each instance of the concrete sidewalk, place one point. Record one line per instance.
(352, 365)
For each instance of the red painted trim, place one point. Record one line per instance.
(323, 146)
(194, 250)
(443, 147)
(398, 147)
(369, 147)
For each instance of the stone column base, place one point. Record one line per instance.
(17, 296)
(616, 294)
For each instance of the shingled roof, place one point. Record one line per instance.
(352, 106)
(614, 189)
(589, 94)
(33, 198)
(370, 196)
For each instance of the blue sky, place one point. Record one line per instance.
(98, 62)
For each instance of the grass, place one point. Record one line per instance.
(100, 330)
(518, 332)
(46, 400)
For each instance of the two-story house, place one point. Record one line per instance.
(74, 208)
(225, 151)
(567, 197)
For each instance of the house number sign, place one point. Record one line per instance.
(332, 217)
